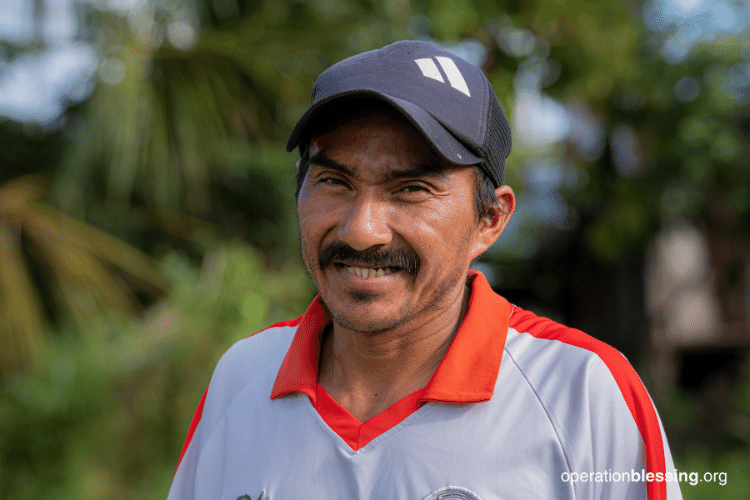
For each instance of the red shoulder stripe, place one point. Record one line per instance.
(627, 380)
(193, 426)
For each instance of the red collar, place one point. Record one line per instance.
(467, 373)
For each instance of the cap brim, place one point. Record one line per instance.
(441, 140)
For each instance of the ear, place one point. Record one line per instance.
(298, 164)
(493, 224)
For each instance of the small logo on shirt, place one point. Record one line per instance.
(248, 497)
(452, 493)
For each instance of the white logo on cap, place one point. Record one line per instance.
(455, 78)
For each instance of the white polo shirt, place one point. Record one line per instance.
(520, 407)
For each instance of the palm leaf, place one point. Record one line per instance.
(87, 272)
(21, 322)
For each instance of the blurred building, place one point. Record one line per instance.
(698, 305)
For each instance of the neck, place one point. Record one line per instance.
(368, 372)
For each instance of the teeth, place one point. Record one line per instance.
(365, 272)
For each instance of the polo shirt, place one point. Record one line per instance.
(520, 407)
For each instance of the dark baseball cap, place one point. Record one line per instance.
(447, 99)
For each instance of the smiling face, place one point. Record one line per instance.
(388, 229)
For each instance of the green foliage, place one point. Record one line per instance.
(691, 128)
(181, 127)
(108, 415)
(453, 19)
(710, 434)
(81, 270)
(167, 110)
(735, 464)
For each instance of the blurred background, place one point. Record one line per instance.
(147, 215)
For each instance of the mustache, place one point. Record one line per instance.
(378, 258)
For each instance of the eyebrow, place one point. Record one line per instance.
(416, 171)
(421, 170)
(322, 160)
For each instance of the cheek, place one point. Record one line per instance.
(440, 238)
(315, 222)
(306, 220)
(309, 213)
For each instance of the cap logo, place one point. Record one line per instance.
(455, 78)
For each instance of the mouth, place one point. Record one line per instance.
(371, 263)
(367, 272)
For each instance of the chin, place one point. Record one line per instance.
(367, 327)
(368, 323)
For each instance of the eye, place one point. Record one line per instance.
(331, 181)
(414, 188)
(414, 192)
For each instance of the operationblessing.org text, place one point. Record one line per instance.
(608, 476)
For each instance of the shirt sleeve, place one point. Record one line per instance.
(618, 448)
(608, 427)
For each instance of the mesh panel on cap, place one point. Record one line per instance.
(497, 141)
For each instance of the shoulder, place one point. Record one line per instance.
(573, 373)
(258, 350)
(569, 367)
(252, 361)
(588, 388)
(600, 409)
(549, 348)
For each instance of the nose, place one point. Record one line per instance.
(366, 223)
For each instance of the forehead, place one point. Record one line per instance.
(380, 135)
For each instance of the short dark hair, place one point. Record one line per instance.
(485, 198)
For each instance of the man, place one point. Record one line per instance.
(408, 377)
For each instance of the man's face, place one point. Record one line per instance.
(388, 229)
